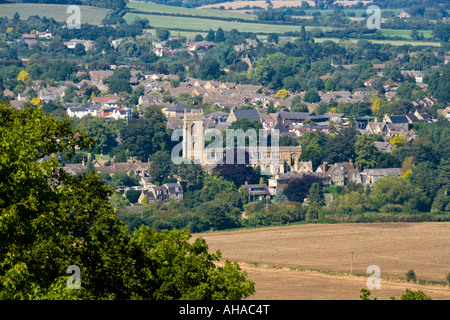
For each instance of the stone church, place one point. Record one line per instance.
(196, 136)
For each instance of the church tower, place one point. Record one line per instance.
(193, 136)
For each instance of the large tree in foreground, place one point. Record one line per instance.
(50, 221)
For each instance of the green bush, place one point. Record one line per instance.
(411, 276)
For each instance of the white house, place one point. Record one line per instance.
(88, 44)
(78, 112)
(45, 35)
(122, 113)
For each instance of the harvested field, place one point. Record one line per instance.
(394, 247)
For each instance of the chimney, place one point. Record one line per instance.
(324, 166)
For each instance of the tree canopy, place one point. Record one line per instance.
(50, 221)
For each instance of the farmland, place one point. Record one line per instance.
(275, 4)
(172, 10)
(314, 261)
(186, 21)
(91, 15)
(202, 24)
(391, 42)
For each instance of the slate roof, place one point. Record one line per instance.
(251, 114)
(178, 107)
(399, 119)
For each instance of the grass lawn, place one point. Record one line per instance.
(199, 24)
(90, 15)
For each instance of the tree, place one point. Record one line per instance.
(398, 191)
(282, 93)
(220, 35)
(441, 31)
(365, 70)
(219, 215)
(102, 133)
(209, 68)
(366, 153)
(237, 172)
(397, 141)
(79, 50)
(424, 176)
(122, 180)
(411, 276)
(330, 85)
(23, 76)
(50, 220)
(37, 102)
(279, 197)
(311, 96)
(120, 81)
(210, 36)
(409, 295)
(273, 37)
(414, 295)
(312, 144)
(340, 147)
(162, 33)
(315, 196)
(145, 136)
(161, 167)
(297, 189)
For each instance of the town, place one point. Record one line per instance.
(337, 123)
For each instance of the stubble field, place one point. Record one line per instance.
(314, 262)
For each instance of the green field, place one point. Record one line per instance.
(200, 24)
(357, 12)
(392, 42)
(90, 15)
(160, 8)
(404, 33)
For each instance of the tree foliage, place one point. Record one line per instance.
(50, 220)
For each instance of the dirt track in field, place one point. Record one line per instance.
(394, 247)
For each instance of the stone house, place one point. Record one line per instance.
(340, 173)
(370, 176)
(162, 193)
(256, 192)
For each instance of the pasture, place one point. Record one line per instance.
(90, 15)
(316, 261)
(201, 24)
(391, 42)
(165, 9)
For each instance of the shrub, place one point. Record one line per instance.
(411, 276)
(391, 207)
